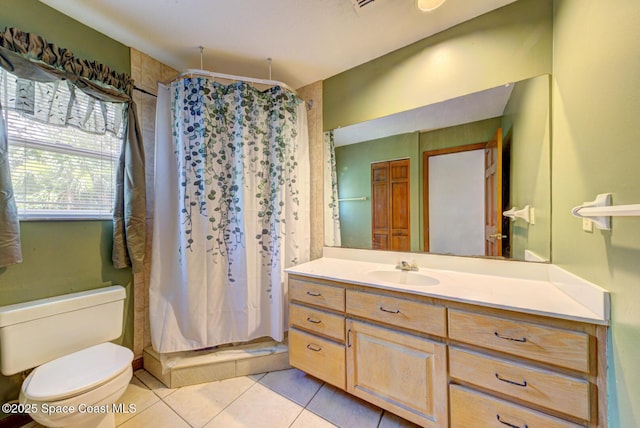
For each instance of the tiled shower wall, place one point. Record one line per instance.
(147, 72)
(312, 94)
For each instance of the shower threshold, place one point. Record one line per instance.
(179, 369)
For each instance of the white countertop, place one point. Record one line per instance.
(551, 292)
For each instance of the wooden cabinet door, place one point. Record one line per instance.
(390, 205)
(402, 373)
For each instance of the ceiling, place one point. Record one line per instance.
(456, 111)
(308, 40)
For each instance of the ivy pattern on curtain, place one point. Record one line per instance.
(331, 204)
(242, 179)
(232, 137)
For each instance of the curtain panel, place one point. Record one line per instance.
(31, 57)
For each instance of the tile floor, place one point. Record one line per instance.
(279, 399)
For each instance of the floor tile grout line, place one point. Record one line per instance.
(302, 409)
(179, 415)
(230, 403)
(314, 396)
(154, 390)
(381, 418)
(311, 399)
(145, 410)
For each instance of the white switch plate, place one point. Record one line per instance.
(587, 225)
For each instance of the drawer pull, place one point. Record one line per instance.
(349, 338)
(309, 319)
(522, 384)
(314, 293)
(523, 340)
(502, 421)
(314, 348)
(397, 311)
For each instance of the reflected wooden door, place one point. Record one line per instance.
(493, 195)
(380, 205)
(390, 205)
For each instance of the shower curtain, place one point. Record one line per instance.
(231, 212)
(331, 205)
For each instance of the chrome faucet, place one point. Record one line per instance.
(406, 266)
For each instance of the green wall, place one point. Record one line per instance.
(596, 149)
(459, 135)
(85, 42)
(507, 45)
(353, 165)
(62, 256)
(527, 120)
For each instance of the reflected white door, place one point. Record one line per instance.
(456, 203)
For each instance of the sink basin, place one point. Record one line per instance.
(403, 277)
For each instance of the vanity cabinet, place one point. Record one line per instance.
(440, 363)
(385, 349)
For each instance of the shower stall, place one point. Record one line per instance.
(231, 212)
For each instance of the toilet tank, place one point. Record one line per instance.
(32, 333)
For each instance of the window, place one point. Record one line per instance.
(63, 149)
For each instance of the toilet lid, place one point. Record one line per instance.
(77, 372)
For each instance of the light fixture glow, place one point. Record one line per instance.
(429, 5)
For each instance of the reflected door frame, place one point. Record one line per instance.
(425, 179)
(493, 235)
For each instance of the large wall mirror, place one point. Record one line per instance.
(439, 178)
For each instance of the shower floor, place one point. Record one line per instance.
(179, 369)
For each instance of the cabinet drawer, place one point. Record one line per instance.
(418, 316)
(323, 323)
(548, 389)
(563, 348)
(472, 409)
(318, 357)
(322, 295)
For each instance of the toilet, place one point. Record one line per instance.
(78, 373)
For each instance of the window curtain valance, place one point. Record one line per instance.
(25, 49)
(31, 57)
(61, 104)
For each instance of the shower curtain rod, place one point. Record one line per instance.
(205, 73)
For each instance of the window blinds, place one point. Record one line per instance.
(63, 149)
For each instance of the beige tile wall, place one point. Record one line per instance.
(313, 95)
(147, 72)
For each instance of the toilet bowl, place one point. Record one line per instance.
(79, 375)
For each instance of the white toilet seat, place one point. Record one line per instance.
(77, 372)
(64, 389)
